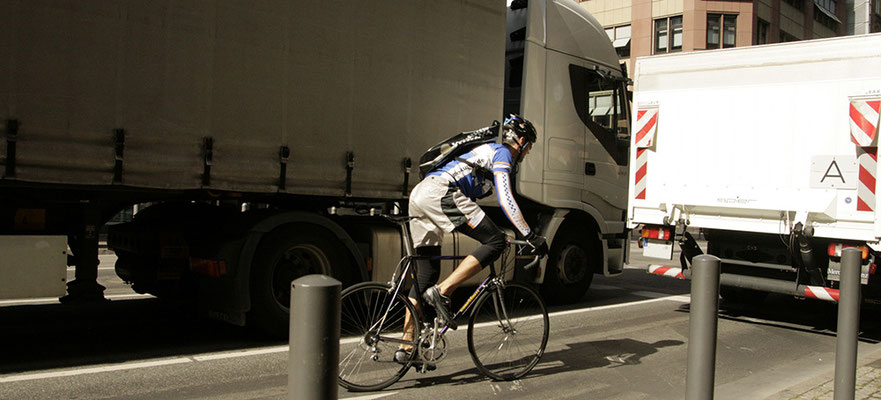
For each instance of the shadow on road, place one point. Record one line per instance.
(35, 337)
(804, 315)
(575, 357)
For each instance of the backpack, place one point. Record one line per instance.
(455, 146)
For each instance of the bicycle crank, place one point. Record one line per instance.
(432, 346)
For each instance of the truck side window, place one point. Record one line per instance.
(598, 102)
(513, 83)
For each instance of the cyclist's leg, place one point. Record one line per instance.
(492, 241)
(427, 238)
(427, 274)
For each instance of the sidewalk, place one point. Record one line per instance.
(868, 383)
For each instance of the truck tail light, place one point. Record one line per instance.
(836, 248)
(208, 267)
(656, 232)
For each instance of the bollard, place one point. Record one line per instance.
(702, 326)
(848, 325)
(313, 360)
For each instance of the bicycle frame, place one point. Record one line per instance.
(407, 262)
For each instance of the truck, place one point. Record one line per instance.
(770, 152)
(255, 140)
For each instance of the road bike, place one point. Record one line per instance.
(507, 327)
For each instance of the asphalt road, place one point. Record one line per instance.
(627, 339)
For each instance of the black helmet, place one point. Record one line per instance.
(521, 127)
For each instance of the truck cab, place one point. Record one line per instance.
(563, 75)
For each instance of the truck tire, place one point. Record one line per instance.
(572, 261)
(284, 255)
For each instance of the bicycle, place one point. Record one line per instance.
(507, 328)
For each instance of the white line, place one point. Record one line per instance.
(95, 370)
(684, 299)
(236, 354)
(651, 295)
(613, 306)
(54, 300)
(372, 396)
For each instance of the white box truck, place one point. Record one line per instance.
(258, 132)
(771, 151)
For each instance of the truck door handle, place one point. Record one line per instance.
(590, 169)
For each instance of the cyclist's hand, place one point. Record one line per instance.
(537, 245)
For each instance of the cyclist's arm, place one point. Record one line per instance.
(509, 205)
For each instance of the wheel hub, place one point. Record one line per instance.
(573, 264)
(296, 262)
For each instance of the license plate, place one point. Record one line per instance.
(833, 273)
(657, 249)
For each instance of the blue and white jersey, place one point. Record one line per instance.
(492, 156)
(496, 158)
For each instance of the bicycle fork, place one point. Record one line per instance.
(502, 312)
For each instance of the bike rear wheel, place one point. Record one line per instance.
(508, 331)
(371, 328)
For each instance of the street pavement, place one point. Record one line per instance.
(626, 340)
(821, 387)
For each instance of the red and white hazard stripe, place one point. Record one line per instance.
(821, 293)
(864, 121)
(670, 272)
(864, 118)
(646, 125)
(641, 170)
(868, 160)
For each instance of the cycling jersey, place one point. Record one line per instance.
(492, 157)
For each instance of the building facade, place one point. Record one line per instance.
(646, 27)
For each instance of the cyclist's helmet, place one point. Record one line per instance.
(521, 127)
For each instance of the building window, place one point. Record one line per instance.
(620, 38)
(721, 30)
(786, 37)
(878, 7)
(824, 13)
(668, 34)
(762, 28)
(796, 4)
(828, 5)
(826, 20)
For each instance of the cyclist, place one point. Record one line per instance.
(445, 201)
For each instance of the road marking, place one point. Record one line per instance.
(246, 353)
(54, 300)
(93, 370)
(281, 349)
(372, 396)
(684, 299)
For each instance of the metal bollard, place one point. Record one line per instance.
(314, 338)
(848, 325)
(702, 327)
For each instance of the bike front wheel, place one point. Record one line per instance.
(508, 331)
(371, 330)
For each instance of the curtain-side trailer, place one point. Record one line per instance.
(258, 134)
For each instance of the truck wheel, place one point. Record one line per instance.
(571, 265)
(285, 254)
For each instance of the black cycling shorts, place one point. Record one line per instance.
(492, 241)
